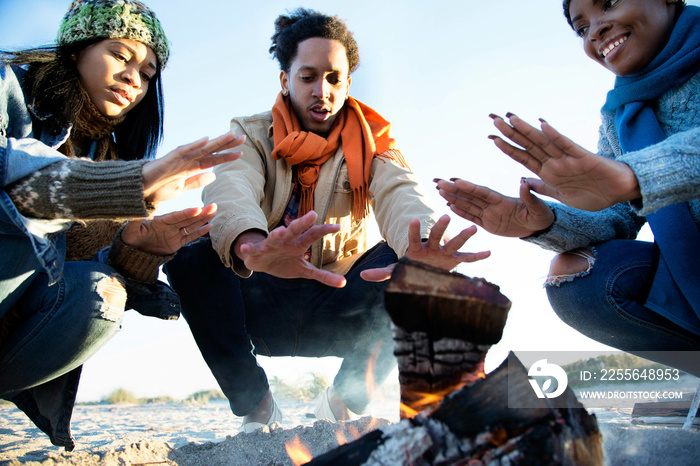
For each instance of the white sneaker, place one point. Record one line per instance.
(323, 406)
(275, 417)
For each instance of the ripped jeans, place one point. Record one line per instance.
(603, 304)
(52, 330)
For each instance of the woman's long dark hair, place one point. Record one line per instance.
(53, 85)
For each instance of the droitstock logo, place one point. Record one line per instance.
(544, 373)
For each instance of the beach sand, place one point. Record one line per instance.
(179, 433)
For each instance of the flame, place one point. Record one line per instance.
(371, 426)
(406, 411)
(340, 436)
(352, 430)
(370, 382)
(416, 402)
(298, 452)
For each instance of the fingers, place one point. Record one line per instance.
(198, 181)
(458, 241)
(324, 277)
(219, 158)
(438, 230)
(468, 200)
(204, 148)
(224, 142)
(301, 224)
(536, 148)
(298, 236)
(378, 275)
(218, 151)
(251, 249)
(519, 155)
(568, 147)
(198, 224)
(188, 148)
(466, 257)
(315, 233)
(414, 239)
(303, 232)
(535, 141)
(538, 186)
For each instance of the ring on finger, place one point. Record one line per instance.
(185, 230)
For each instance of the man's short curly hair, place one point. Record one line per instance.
(302, 24)
(567, 13)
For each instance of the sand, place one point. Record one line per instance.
(179, 433)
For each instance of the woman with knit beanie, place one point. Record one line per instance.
(79, 127)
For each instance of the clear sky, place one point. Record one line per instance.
(434, 69)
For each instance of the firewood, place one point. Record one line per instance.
(443, 325)
(421, 298)
(475, 425)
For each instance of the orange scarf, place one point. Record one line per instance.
(363, 133)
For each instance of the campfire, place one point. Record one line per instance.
(451, 412)
(298, 452)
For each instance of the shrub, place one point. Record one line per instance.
(121, 395)
(302, 390)
(203, 397)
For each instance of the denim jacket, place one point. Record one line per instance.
(27, 143)
(28, 246)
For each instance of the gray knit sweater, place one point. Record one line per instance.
(101, 196)
(668, 172)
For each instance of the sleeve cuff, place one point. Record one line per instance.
(133, 263)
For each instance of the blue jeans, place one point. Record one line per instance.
(52, 330)
(606, 304)
(233, 319)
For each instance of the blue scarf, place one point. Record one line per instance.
(675, 292)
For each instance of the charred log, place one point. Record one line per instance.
(475, 425)
(444, 324)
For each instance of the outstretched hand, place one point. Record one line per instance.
(281, 253)
(165, 234)
(432, 251)
(567, 171)
(494, 212)
(181, 169)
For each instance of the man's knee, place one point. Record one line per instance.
(569, 265)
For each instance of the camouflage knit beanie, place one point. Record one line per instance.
(114, 19)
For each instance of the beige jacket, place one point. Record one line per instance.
(253, 193)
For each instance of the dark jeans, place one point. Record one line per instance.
(233, 319)
(603, 304)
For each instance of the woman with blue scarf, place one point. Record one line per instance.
(636, 296)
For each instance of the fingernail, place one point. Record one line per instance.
(542, 120)
(493, 115)
(453, 179)
(436, 180)
(492, 137)
(509, 115)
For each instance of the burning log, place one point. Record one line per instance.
(444, 323)
(475, 425)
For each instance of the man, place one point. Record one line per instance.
(310, 171)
